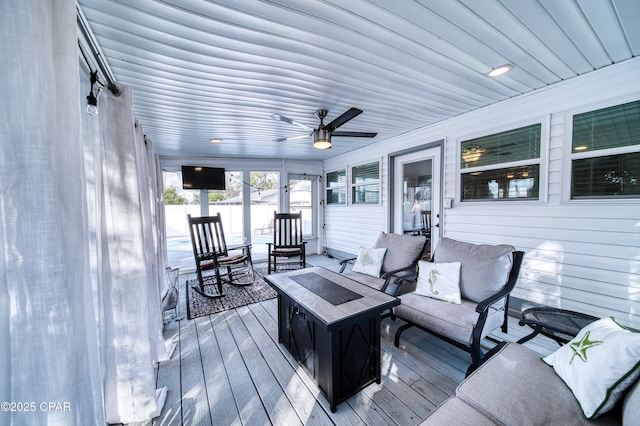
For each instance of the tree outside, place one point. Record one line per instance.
(171, 196)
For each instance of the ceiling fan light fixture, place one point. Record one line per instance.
(501, 70)
(321, 139)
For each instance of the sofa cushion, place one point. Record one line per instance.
(455, 412)
(453, 321)
(369, 261)
(485, 268)
(516, 388)
(598, 365)
(402, 250)
(631, 406)
(439, 281)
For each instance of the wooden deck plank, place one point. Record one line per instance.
(247, 399)
(219, 395)
(428, 382)
(168, 374)
(195, 406)
(421, 348)
(302, 400)
(408, 410)
(343, 416)
(275, 401)
(367, 409)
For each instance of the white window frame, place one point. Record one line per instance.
(353, 186)
(570, 156)
(542, 160)
(345, 187)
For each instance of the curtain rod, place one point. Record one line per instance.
(95, 51)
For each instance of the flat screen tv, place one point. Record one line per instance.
(198, 177)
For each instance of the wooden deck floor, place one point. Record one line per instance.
(229, 369)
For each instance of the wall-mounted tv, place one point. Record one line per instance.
(198, 177)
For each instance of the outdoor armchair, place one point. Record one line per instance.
(487, 275)
(399, 265)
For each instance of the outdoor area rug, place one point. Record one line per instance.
(235, 295)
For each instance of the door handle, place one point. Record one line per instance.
(437, 225)
(297, 311)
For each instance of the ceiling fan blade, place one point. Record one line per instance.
(346, 116)
(355, 134)
(290, 121)
(292, 138)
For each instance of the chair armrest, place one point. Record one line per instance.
(511, 283)
(344, 262)
(486, 303)
(388, 274)
(400, 281)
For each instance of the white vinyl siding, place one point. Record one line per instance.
(580, 254)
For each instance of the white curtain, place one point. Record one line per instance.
(81, 235)
(49, 346)
(130, 278)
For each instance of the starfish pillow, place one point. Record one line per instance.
(598, 364)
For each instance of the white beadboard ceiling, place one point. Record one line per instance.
(201, 69)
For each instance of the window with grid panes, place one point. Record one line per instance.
(336, 187)
(365, 183)
(502, 166)
(605, 153)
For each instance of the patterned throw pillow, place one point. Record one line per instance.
(598, 364)
(439, 281)
(369, 261)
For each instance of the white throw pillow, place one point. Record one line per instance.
(598, 364)
(369, 261)
(439, 281)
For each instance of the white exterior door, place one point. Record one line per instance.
(417, 189)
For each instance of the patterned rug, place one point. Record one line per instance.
(235, 295)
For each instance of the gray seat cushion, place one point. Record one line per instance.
(453, 321)
(455, 412)
(631, 406)
(516, 388)
(402, 250)
(485, 268)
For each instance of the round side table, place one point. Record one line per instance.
(560, 325)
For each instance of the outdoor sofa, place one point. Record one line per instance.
(516, 387)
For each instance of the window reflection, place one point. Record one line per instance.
(521, 183)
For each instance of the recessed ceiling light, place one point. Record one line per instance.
(215, 140)
(502, 69)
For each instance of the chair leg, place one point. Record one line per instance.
(476, 354)
(396, 340)
(199, 288)
(505, 323)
